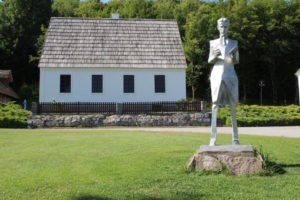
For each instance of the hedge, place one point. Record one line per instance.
(255, 115)
(13, 116)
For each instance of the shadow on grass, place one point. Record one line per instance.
(272, 168)
(96, 197)
(181, 195)
(289, 165)
(149, 198)
(176, 196)
(90, 197)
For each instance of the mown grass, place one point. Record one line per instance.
(94, 164)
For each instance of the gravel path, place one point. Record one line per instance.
(282, 131)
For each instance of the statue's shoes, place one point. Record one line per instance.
(235, 142)
(212, 143)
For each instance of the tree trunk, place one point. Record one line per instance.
(245, 93)
(193, 92)
(274, 92)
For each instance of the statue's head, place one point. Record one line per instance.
(223, 26)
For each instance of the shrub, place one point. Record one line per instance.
(13, 116)
(255, 115)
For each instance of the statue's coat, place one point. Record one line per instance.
(224, 81)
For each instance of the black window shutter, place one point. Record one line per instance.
(160, 83)
(65, 83)
(97, 83)
(128, 84)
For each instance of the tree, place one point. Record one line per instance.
(65, 8)
(113, 6)
(182, 10)
(278, 42)
(165, 9)
(138, 9)
(193, 74)
(199, 29)
(20, 27)
(90, 8)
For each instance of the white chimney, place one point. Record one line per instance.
(115, 16)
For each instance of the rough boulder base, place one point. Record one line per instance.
(240, 160)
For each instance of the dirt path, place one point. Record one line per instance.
(282, 131)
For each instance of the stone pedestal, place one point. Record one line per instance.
(238, 159)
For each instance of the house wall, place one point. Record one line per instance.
(112, 85)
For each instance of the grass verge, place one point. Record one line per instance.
(93, 164)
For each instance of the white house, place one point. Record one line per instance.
(298, 75)
(112, 60)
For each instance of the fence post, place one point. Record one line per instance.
(78, 107)
(34, 108)
(119, 108)
(203, 106)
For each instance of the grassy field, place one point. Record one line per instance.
(99, 165)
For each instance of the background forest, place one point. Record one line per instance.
(268, 32)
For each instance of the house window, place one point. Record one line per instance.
(97, 83)
(160, 83)
(128, 84)
(65, 83)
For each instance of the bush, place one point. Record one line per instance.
(262, 115)
(13, 116)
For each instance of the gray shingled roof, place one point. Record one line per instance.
(128, 43)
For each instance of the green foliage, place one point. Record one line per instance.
(65, 8)
(13, 116)
(113, 6)
(193, 73)
(255, 115)
(39, 46)
(165, 9)
(20, 28)
(137, 9)
(90, 8)
(29, 92)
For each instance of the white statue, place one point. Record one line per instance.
(223, 79)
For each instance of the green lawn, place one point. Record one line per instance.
(93, 164)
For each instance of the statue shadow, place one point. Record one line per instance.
(91, 197)
(187, 196)
(279, 168)
(289, 165)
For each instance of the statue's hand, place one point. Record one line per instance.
(216, 52)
